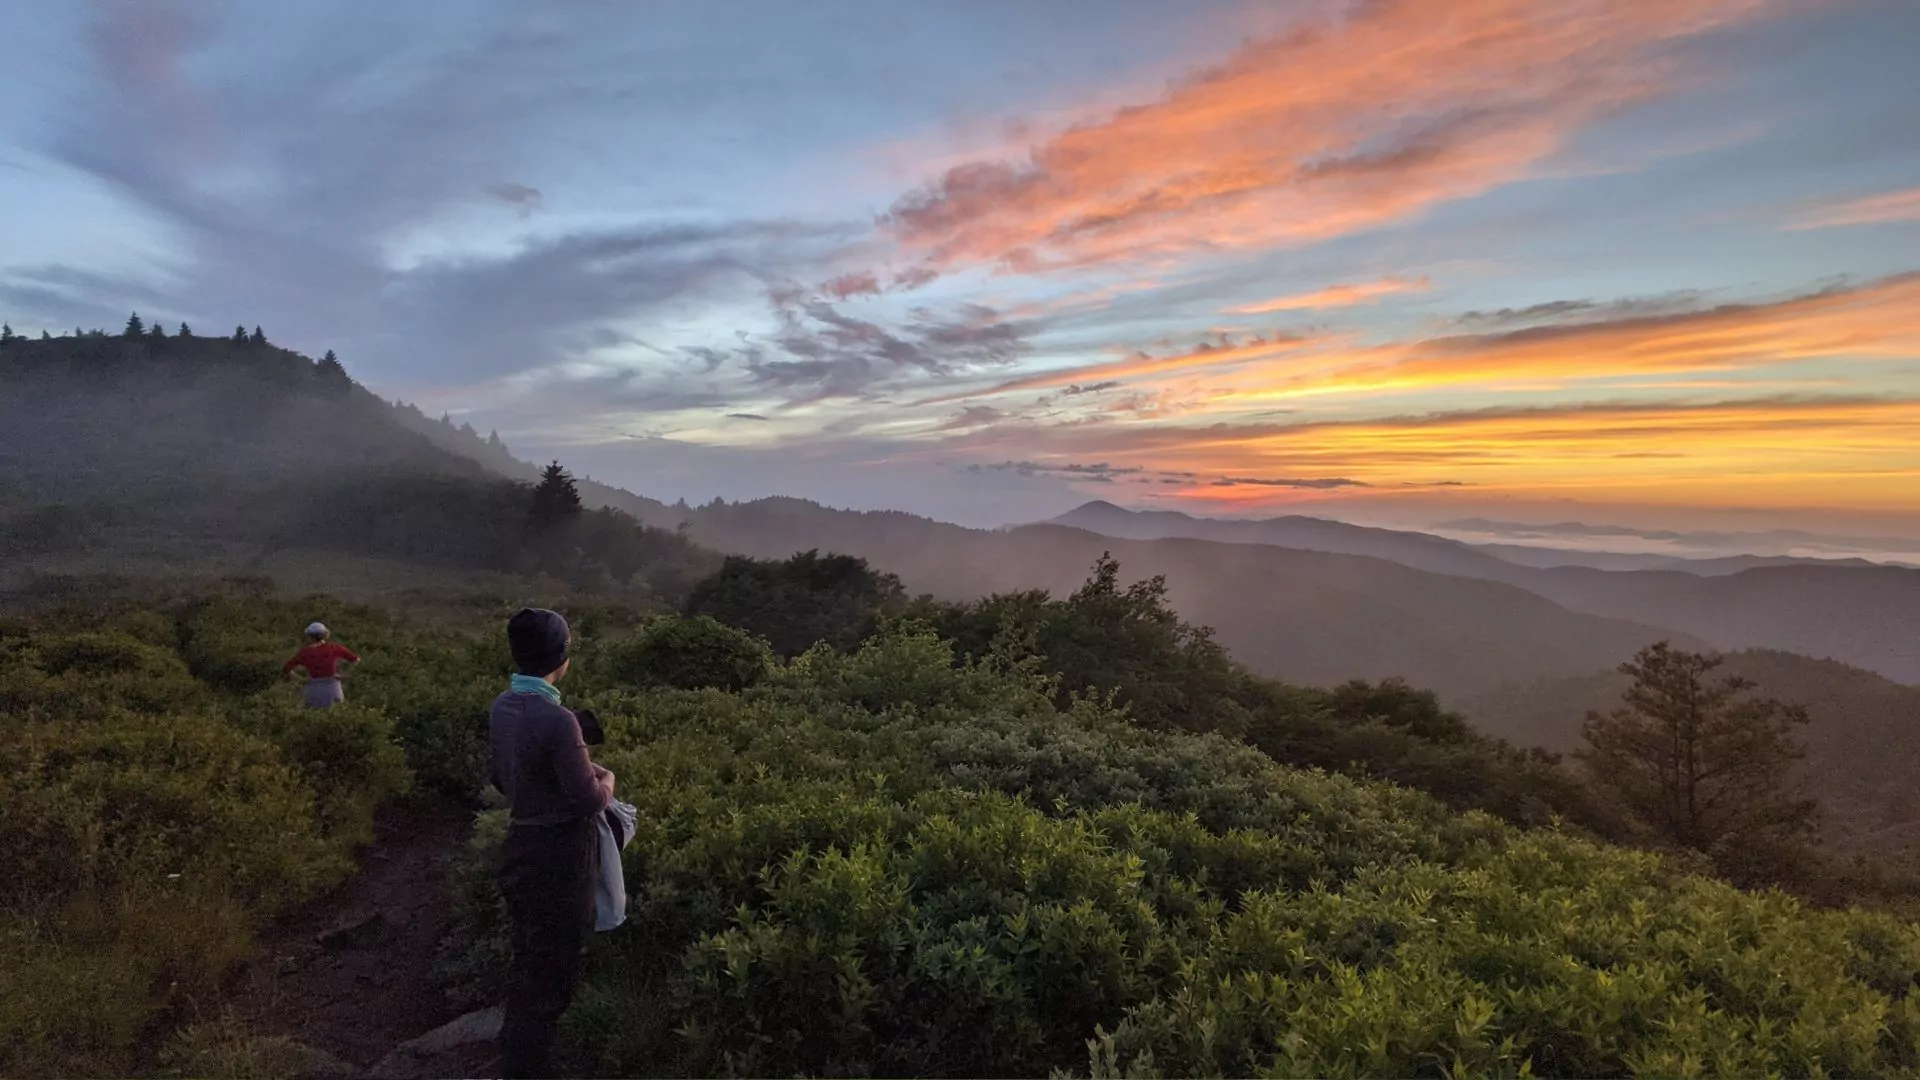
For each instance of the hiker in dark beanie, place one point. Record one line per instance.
(539, 761)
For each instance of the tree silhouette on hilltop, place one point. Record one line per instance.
(556, 498)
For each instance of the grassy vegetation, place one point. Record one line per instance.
(891, 863)
(163, 794)
(952, 848)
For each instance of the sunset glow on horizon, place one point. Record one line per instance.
(1593, 259)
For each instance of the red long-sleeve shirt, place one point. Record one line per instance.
(322, 660)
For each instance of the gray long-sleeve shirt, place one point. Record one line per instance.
(539, 760)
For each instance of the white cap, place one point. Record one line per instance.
(316, 629)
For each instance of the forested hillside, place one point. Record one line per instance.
(1863, 741)
(138, 455)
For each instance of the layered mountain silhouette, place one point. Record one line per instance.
(221, 450)
(1848, 610)
(1305, 616)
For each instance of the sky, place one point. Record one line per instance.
(1638, 265)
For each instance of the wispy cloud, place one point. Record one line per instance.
(1327, 130)
(1858, 451)
(1226, 352)
(1565, 311)
(820, 352)
(1334, 296)
(1321, 484)
(1884, 209)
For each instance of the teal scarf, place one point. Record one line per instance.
(527, 684)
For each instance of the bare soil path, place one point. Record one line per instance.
(351, 972)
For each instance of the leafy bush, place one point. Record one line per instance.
(1127, 642)
(150, 820)
(80, 991)
(688, 653)
(879, 865)
(798, 602)
(346, 754)
(139, 850)
(74, 675)
(129, 800)
(231, 646)
(437, 695)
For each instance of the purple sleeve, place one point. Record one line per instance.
(574, 770)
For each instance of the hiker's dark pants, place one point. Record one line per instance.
(547, 878)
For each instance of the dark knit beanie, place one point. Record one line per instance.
(538, 639)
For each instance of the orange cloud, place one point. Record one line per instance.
(1330, 129)
(1877, 321)
(1873, 322)
(1335, 296)
(1871, 210)
(1839, 452)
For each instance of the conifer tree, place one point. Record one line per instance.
(157, 332)
(135, 328)
(44, 336)
(1706, 766)
(239, 335)
(258, 337)
(6, 333)
(556, 498)
(330, 369)
(184, 331)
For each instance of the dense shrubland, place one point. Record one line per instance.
(1007, 838)
(162, 794)
(898, 862)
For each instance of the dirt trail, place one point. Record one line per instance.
(350, 973)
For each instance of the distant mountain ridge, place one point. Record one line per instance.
(1305, 616)
(1411, 546)
(1860, 613)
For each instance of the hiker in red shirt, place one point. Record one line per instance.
(321, 659)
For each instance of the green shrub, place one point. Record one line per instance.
(81, 990)
(871, 868)
(129, 800)
(76, 675)
(437, 698)
(346, 754)
(688, 653)
(150, 820)
(230, 645)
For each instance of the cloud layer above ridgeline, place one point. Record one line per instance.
(1623, 263)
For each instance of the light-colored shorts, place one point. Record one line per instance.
(324, 693)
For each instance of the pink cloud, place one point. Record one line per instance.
(1340, 127)
(1336, 296)
(1872, 210)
